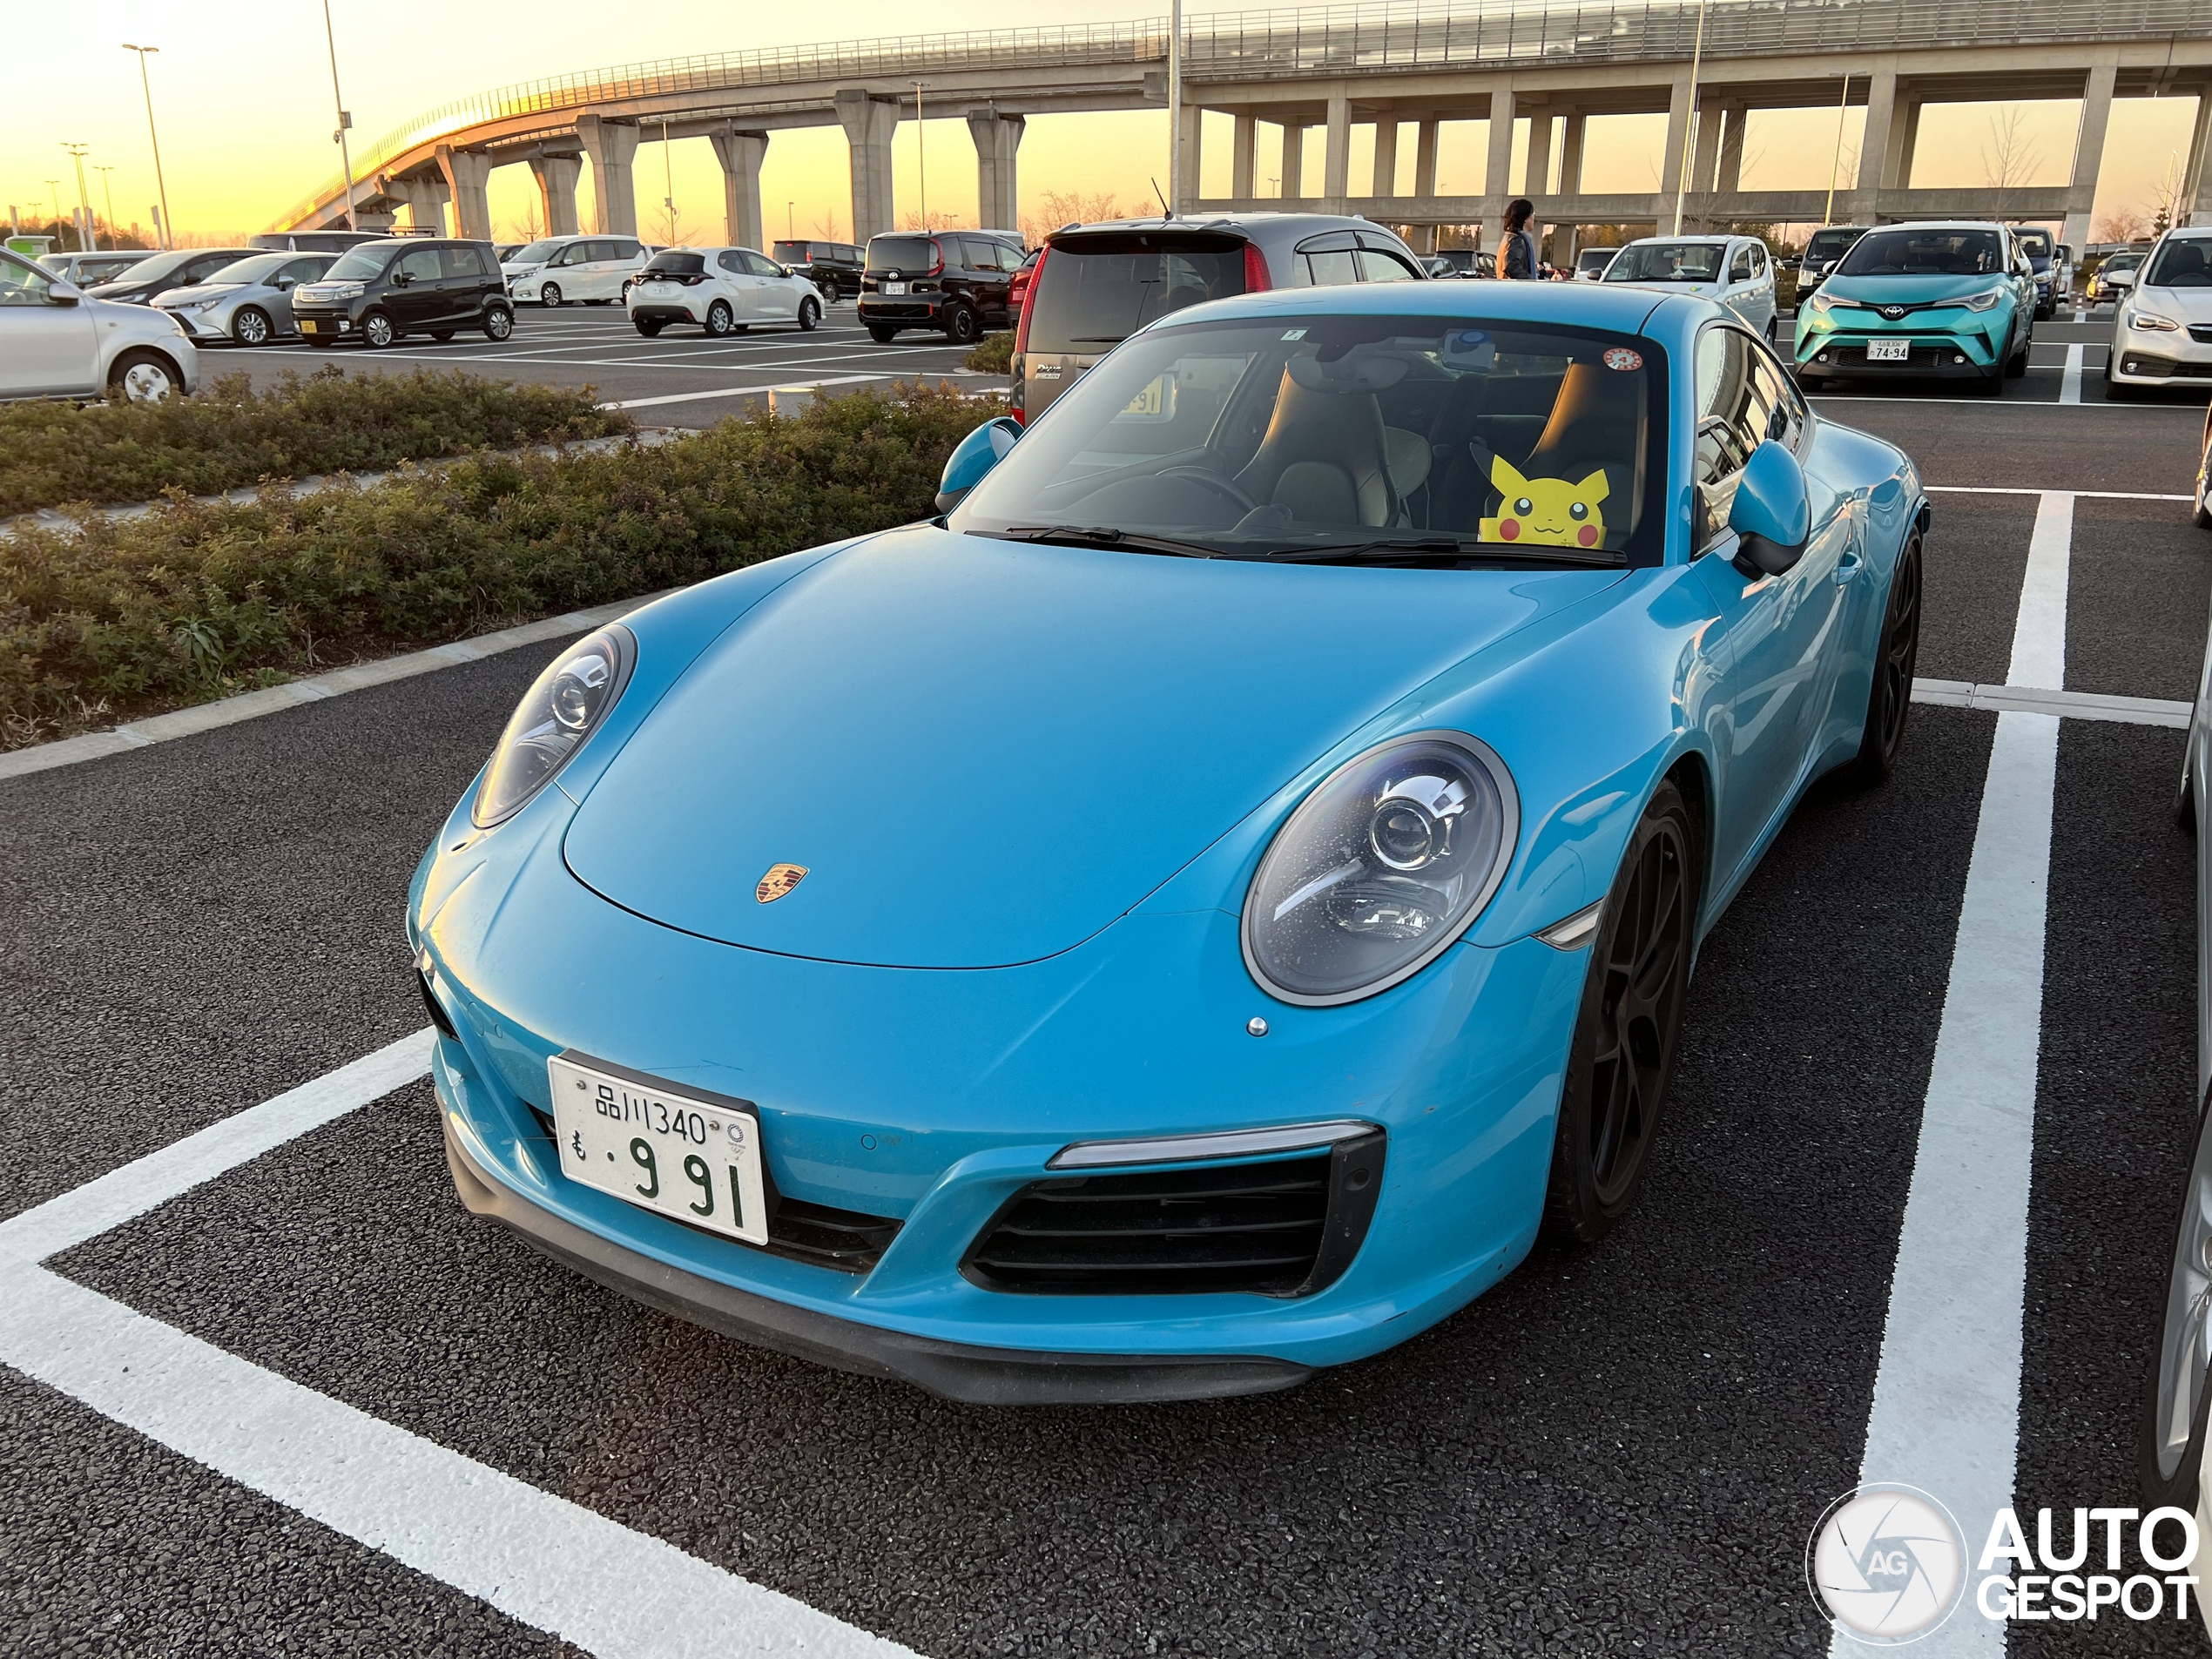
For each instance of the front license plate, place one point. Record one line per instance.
(1889, 351)
(689, 1154)
(308, 327)
(894, 287)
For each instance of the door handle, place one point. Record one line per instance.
(1847, 566)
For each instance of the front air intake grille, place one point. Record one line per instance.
(1288, 1227)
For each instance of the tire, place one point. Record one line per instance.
(2171, 1446)
(828, 291)
(441, 335)
(649, 326)
(251, 327)
(1991, 384)
(2118, 391)
(810, 316)
(144, 377)
(2016, 365)
(962, 326)
(550, 295)
(1628, 1031)
(881, 335)
(377, 331)
(721, 321)
(499, 323)
(1890, 698)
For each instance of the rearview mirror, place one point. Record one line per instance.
(1771, 515)
(975, 455)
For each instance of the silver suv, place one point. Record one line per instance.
(1096, 285)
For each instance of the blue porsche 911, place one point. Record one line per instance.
(1196, 910)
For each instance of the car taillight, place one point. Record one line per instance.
(1015, 401)
(1029, 299)
(1255, 270)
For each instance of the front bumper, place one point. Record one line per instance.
(202, 327)
(1830, 345)
(324, 325)
(2153, 357)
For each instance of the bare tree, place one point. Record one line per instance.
(2164, 205)
(524, 228)
(2122, 225)
(826, 227)
(937, 222)
(2009, 159)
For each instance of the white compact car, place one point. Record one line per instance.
(2162, 329)
(724, 290)
(566, 270)
(57, 341)
(1735, 270)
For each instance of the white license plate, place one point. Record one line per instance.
(656, 287)
(690, 1154)
(1889, 351)
(894, 287)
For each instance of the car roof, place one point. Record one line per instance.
(1941, 225)
(1251, 224)
(1619, 310)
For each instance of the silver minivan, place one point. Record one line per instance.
(1096, 285)
(1735, 270)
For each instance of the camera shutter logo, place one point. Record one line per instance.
(1886, 1564)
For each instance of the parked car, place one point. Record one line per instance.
(555, 270)
(2161, 332)
(57, 341)
(1823, 249)
(2052, 263)
(1954, 299)
(957, 282)
(415, 285)
(156, 274)
(505, 251)
(1096, 285)
(1735, 270)
(723, 290)
(1312, 793)
(1590, 263)
(314, 241)
(84, 270)
(1018, 292)
(832, 268)
(248, 303)
(2113, 276)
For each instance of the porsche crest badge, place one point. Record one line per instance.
(780, 880)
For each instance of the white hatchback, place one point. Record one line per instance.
(56, 341)
(724, 290)
(561, 270)
(1735, 270)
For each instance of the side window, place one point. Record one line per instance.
(1786, 417)
(199, 270)
(22, 284)
(602, 252)
(574, 254)
(1758, 261)
(1378, 267)
(760, 264)
(626, 251)
(306, 270)
(731, 260)
(420, 266)
(1326, 270)
(1739, 268)
(1729, 425)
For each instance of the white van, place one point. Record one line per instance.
(565, 270)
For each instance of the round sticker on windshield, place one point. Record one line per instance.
(1621, 358)
(1470, 349)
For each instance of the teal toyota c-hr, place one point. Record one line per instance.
(1951, 300)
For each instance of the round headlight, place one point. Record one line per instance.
(564, 706)
(1380, 869)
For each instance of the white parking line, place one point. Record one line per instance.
(542, 1560)
(2078, 494)
(742, 391)
(2070, 388)
(1946, 1413)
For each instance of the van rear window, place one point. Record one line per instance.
(901, 254)
(1093, 292)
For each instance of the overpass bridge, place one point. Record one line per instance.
(1416, 64)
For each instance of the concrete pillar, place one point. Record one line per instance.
(556, 176)
(1385, 178)
(2088, 150)
(614, 195)
(869, 123)
(1336, 165)
(1730, 178)
(425, 200)
(467, 173)
(740, 154)
(998, 200)
(1424, 160)
(1497, 183)
(1874, 147)
(1187, 157)
(2196, 176)
(1537, 181)
(1712, 118)
(1293, 160)
(1240, 157)
(1906, 127)
(1680, 106)
(1570, 155)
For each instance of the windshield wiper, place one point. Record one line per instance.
(1103, 536)
(1447, 550)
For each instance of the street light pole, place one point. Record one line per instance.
(1696, 61)
(55, 185)
(921, 155)
(107, 187)
(86, 240)
(344, 121)
(1836, 161)
(1175, 106)
(168, 224)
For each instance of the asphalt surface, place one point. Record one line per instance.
(1614, 1452)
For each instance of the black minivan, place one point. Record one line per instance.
(408, 285)
(834, 267)
(958, 282)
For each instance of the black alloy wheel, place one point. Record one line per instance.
(962, 326)
(499, 323)
(720, 319)
(377, 330)
(251, 327)
(1891, 698)
(1628, 1030)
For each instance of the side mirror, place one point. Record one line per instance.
(1770, 515)
(60, 293)
(401, 279)
(973, 456)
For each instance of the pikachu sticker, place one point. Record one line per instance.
(1546, 509)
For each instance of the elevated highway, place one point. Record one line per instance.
(1336, 68)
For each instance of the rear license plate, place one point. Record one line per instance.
(656, 287)
(1889, 351)
(894, 287)
(691, 1155)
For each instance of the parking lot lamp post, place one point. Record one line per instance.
(344, 121)
(1696, 61)
(107, 188)
(1836, 162)
(167, 223)
(1175, 106)
(86, 239)
(921, 156)
(55, 186)
(668, 179)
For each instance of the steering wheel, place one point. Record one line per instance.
(1227, 488)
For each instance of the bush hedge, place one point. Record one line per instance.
(198, 600)
(993, 354)
(231, 436)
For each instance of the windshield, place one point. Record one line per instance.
(258, 268)
(1826, 245)
(1925, 252)
(154, 266)
(2123, 261)
(2182, 263)
(534, 253)
(2035, 243)
(901, 254)
(1096, 292)
(1462, 440)
(360, 266)
(1594, 258)
(1666, 262)
(676, 264)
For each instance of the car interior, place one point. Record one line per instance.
(2182, 264)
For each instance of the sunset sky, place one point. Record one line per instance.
(242, 94)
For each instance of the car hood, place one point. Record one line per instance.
(2183, 304)
(1906, 290)
(512, 269)
(982, 752)
(205, 291)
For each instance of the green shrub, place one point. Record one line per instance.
(197, 600)
(231, 436)
(993, 354)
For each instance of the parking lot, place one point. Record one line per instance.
(1614, 1452)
